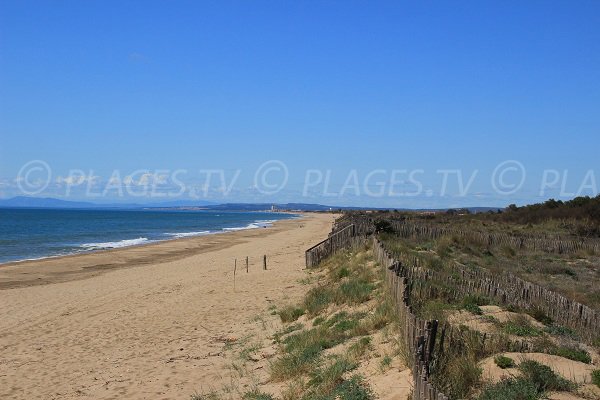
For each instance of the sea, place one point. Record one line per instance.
(29, 234)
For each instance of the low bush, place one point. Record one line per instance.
(520, 326)
(290, 313)
(572, 353)
(355, 388)
(543, 377)
(504, 362)
(324, 380)
(354, 291)
(302, 350)
(540, 316)
(257, 395)
(288, 329)
(458, 376)
(510, 389)
(560, 330)
(473, 300)
(596, 377)
(343, 273)
(536, 380)
(385, 363)
(317, 299)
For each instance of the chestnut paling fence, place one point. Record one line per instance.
(426, 340)
(337, 240)
(363, 224)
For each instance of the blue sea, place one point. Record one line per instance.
(38, 233)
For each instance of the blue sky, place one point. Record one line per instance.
(330, 86)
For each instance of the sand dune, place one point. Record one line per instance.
(143, 323)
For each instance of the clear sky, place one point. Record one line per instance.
(323, 86)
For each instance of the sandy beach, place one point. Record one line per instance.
(148, 322)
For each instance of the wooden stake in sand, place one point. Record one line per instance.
(234, 271)
(265, 262)
(246, 264)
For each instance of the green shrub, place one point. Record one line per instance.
(472, 303)
(560, 330)
(346, 325)
(288, 329)
(458, 376)
(343, 273)
(476, 299)
(383, 226)
(355, 388)
(302, 352)
(520, 326)
(536, 380)
(540, 316)
(543, 377)
(343, 322)
(572, 353)
(510, 389)
(335, 318)
(317, 299)
(504, 362)
(354, 291)
(321, 336)
(473, 308)
(297, 362)
(257, 395)
(290, 313)
(303, 349)
(325, 380)
(212, 395)
(385, 363)
(596, 377)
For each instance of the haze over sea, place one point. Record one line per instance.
(39, 233)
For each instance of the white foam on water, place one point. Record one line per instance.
(241, 228)
(115, 245)
(179, 235)
(257, 224)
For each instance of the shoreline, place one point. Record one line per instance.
(268, 223)
(67, 267)
(150, 321)
(185, 235)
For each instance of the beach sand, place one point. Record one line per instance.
(149, 322)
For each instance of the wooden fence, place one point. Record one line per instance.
(365, 224)
(546, 244)
(507, 289)
(424, 340)
(418, 336)
(337, 240)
